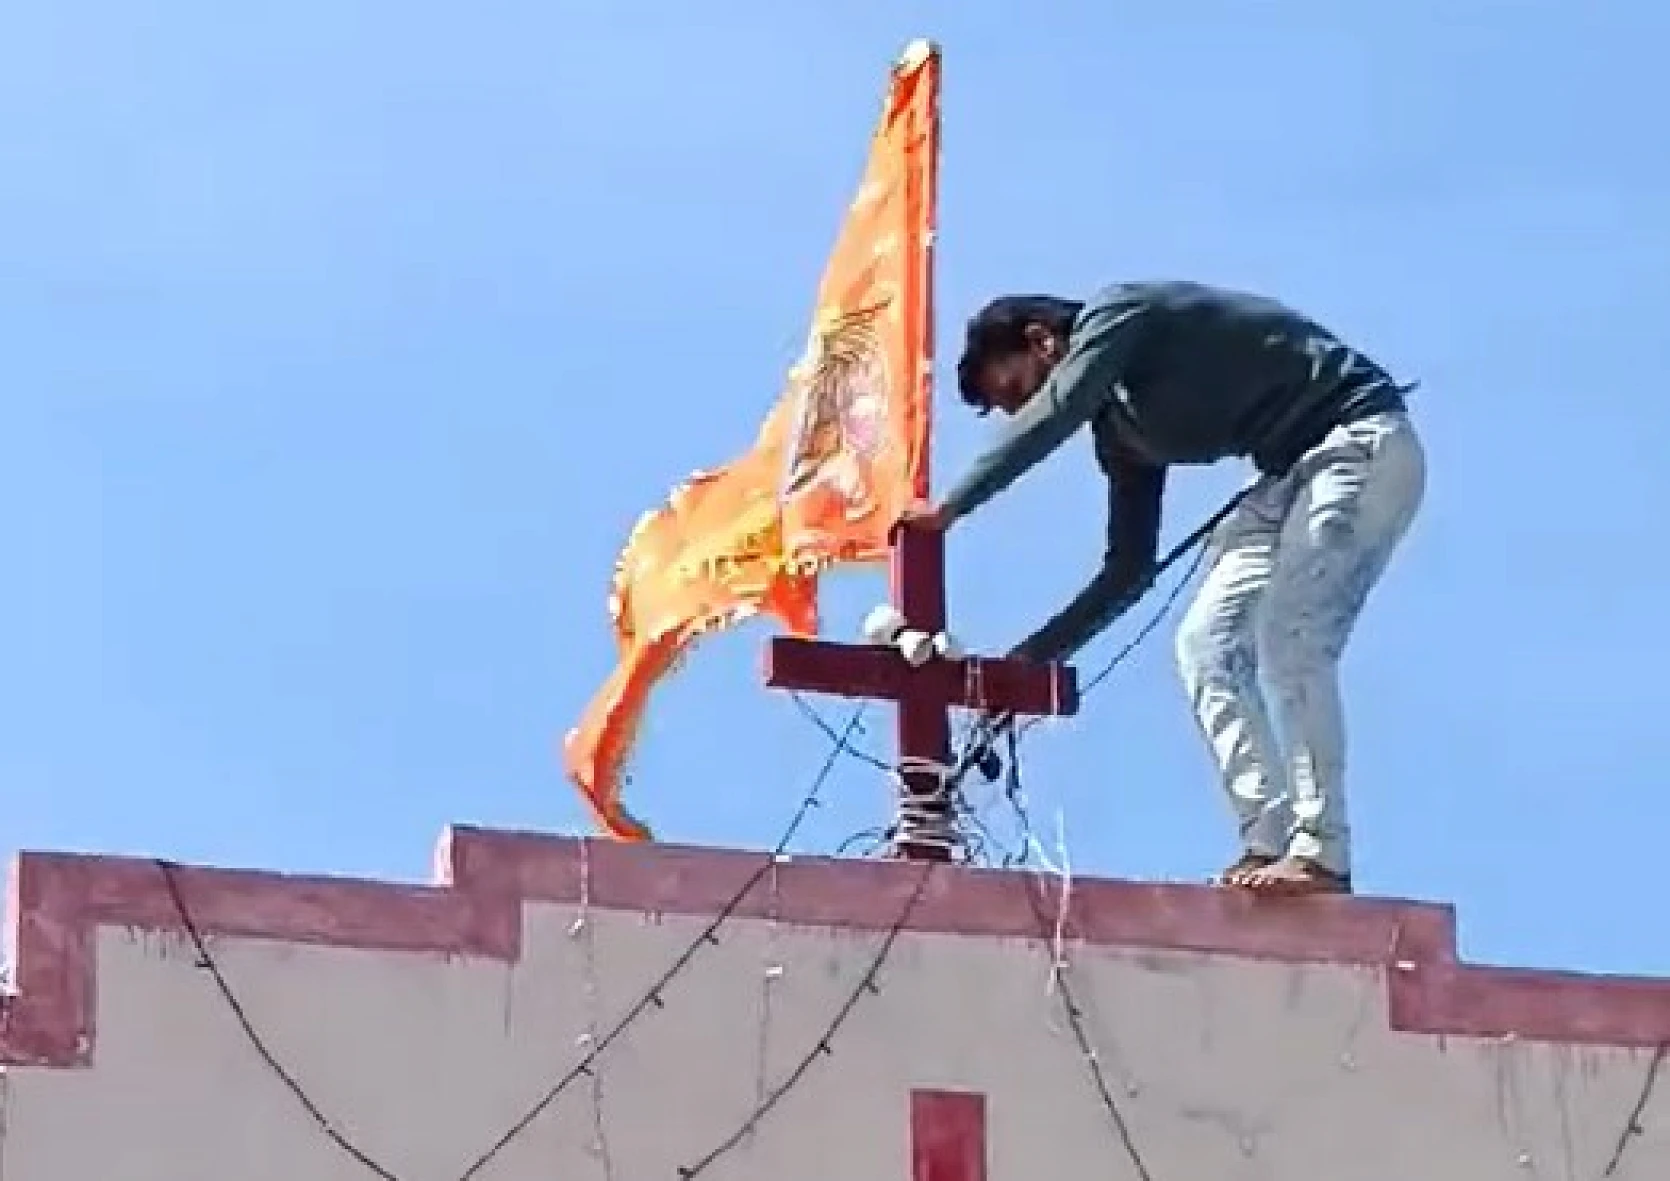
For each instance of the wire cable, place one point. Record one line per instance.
(972, 756)
(877, 836)
(811, 713)
(1015, 795)
(866, 987)
(980, 846)
(1093, 1062)
(1051, 929)
(651, 999)
(1141, 635)
(840, 745)
(1633, 1128)
(206, 962)
(977, 746)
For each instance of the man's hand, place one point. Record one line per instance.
(1114, 590)
(923, 515)
(1024, 653)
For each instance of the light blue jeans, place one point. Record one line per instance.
(1288, 573)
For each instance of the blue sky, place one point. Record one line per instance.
(341, 344)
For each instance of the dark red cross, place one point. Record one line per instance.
(947, 1136)
(926, 694)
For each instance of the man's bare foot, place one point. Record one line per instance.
(1249, 863)
(1296, 875)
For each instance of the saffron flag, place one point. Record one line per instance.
(841, 453)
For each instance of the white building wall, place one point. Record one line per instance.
(1222, 1066)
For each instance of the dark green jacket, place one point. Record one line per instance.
(1172, 373)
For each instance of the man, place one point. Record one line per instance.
(1180, 373)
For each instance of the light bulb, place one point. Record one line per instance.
(916, 646)
(883, 625)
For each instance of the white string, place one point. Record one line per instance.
(1064, 875)
(585, 932)
(584, 910)
(925, 818)
(913, 764)
(769, 981)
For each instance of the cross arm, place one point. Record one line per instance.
(855, 670)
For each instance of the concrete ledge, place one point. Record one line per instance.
(56, 902)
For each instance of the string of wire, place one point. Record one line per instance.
(650, 999)
(1633, 1129)
(1012, 790)
(207, 963)
(878, 838)
(840, 747)
(1087, 1049)
(867, 986)
(1015, 795)
(977, 739)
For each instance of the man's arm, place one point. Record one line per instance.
(1134, 496)
(1080, 387)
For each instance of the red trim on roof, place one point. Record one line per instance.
(57, 901)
